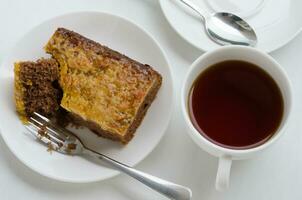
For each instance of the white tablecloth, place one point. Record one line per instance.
(275, 174)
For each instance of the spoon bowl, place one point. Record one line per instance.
(226, 28)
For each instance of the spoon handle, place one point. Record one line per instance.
(193, 7)
(168, 189)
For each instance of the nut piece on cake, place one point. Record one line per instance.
(36, 88)
(103, 89)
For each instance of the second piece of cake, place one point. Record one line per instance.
(103, 89)
(36, 88)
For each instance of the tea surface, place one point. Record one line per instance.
(236, 104)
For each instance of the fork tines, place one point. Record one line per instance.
(44, 130)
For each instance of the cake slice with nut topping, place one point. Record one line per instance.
(103, 89)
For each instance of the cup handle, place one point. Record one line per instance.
(223, 173)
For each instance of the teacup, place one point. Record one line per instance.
(226, 155)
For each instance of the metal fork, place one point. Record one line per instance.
(64, 141)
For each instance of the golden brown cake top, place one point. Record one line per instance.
(99, 84)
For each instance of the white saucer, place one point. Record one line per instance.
(119, 34)
(276, 22)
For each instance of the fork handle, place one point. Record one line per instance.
(170, 190)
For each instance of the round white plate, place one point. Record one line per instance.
(119, 34)
(276, 22)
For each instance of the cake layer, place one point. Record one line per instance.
(36, 87)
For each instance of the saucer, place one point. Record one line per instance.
(276, 22)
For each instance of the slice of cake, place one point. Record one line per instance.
(103, 89)
(36, 88)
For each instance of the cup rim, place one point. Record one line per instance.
(193, 132)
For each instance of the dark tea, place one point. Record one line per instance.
(236, 104)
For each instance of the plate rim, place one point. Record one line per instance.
(113, 173)
(270, 50)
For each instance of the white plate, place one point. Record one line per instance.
(119, 34)
(276, 22)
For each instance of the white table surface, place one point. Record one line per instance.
(275, 174)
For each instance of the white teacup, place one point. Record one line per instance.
(251, 55)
